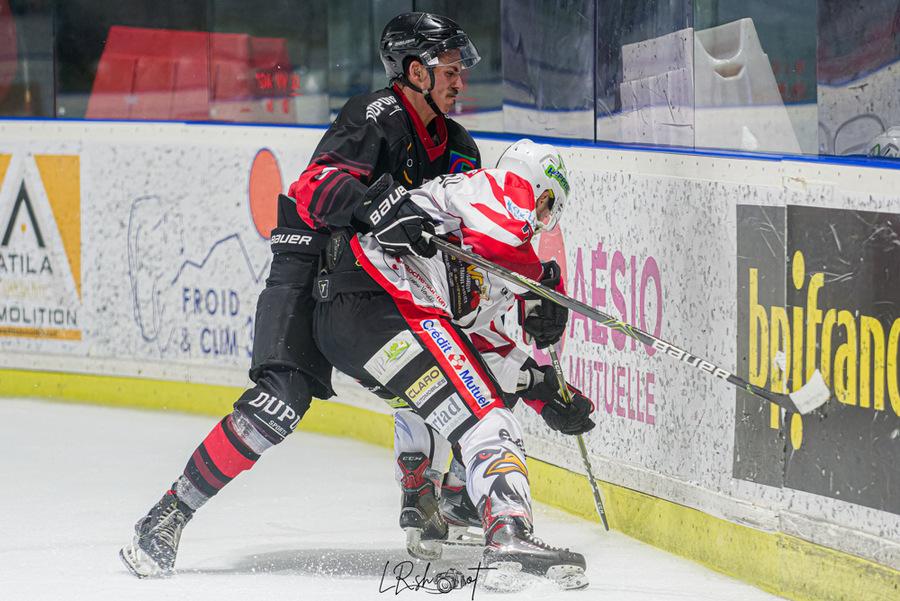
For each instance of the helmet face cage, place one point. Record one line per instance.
(543, 167)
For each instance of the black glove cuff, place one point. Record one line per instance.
(552, 274)
(543, 385)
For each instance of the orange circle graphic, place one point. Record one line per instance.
(265, 186)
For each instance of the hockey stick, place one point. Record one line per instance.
(567, 397)
(810, 396)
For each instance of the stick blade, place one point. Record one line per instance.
(811, 395)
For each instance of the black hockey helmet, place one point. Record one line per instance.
(424, 37)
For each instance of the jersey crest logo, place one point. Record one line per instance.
(460, 162)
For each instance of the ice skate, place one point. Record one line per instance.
(460, 514)
(516, 556)
(156, 536)
(419, 516)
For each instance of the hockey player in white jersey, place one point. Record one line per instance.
(413, 325)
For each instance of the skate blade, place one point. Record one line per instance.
(139, 564)
(427, 550)
(507, 577)
(568, 577)
(465, 536)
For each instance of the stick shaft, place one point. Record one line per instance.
(567, 397)
(612, 323)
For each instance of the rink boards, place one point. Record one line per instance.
(132, 255)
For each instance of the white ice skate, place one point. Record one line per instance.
(517, 559)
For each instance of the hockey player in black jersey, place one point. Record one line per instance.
(401, 130)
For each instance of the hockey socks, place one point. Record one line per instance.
(231, 447)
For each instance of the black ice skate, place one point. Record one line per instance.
(156, 537)
(419, 515)
(460, 514)
(513, 552)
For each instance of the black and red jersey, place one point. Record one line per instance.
(374, 134)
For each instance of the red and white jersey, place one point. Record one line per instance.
(492, 212)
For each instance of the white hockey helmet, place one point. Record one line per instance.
(886, 144)
(543, 167)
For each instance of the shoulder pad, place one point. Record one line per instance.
(459, 133)
(374, 106)
(381, 104)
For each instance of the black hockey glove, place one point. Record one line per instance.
(395, 221)
(567, 418)
(570, 418)
(544, 320)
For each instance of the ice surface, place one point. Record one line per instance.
(315, 519)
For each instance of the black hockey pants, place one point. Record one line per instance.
(422, 358)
